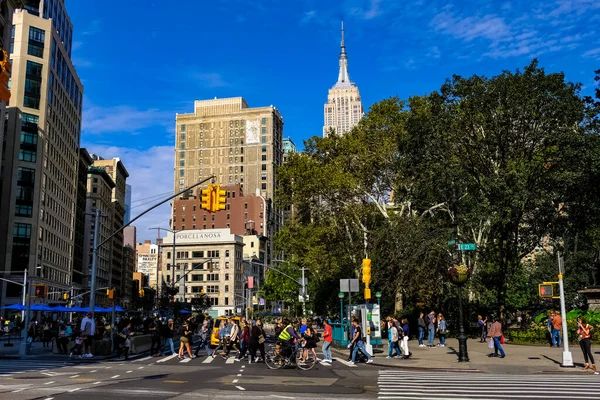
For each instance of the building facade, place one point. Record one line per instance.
(82, 222)
(147, 255)
(223, 283)
(127, 216)
(116, 170)
(129, 262)
(344, 108)
(243, 214)
(289, 147)
(41, 151)
(7, 8)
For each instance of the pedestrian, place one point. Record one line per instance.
(169, 331)
(222, 339)
(549, 325)
(303, 326)
(64, 335)
(232, 338)
(244, 341)
(257, 342)
(441, 329)
(154, 328)
(124, 341)
(185, 340)
(88, 329)
(205, 331)
(482, 325)
(405, 338)
(357, 342)
(327, 340)
(310, 335)
(422, 328)
(585, 333)
(430, 329)
(351, 345)
(392, 340)
(495, 334)
(556, 329)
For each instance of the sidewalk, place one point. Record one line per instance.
(520, 359)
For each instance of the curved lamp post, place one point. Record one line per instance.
(459, 275)
(378, 295)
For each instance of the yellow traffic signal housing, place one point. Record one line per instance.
(219, 198)
(367, 293)
(65, 296)
(141, 292)
(39, 290)
(5, 67)
(366, 271)
(207, 202)
(110, 293)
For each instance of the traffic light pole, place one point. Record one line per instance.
(24, 348)
(24, 291)
(95, 260)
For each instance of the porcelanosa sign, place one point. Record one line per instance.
(183, 237)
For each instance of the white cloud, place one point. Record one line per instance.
(308, 16)
(372, 10)
(593, 53)
(210, 79)
(97, 120)
(150, 174)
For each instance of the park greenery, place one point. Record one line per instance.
(509, 162)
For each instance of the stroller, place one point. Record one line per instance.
(77, 349)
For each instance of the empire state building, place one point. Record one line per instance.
(344, 108)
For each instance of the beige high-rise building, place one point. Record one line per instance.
(344, 108)
(42, 139)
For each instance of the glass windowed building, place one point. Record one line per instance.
(38, 190)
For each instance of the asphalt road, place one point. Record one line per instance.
(169, 378)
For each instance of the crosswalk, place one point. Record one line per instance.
(433, 385)
(15, 367)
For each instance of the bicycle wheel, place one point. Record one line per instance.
(274, 360)
(306, 363)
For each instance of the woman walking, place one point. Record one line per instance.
(405, 337)
(483, 325)
(495, 334)
(311, 341)
(185, 340)
(585, 331)
(442, 328)
(392, 340)
(327, 340)
(430, 329)
(125, 341)
(257, 342)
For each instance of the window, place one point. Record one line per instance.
(33, 82)
(27, 155)
(198, 254)
(182, 128)
(182, 163)
(263, 121)
(264, 157)
(264, 131)
(182, 136)
(263, 167)
(226, 275)
(264, 186)
(263, 177)
(264, 148)
(22, 230)
(36, 42)
(182, 154)
(26, 176)
(182, 172)
(23, 211)
(226, 288)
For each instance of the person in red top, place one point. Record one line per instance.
(327, 339)
(585, 334)
(556, 328)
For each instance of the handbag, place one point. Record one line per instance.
(502, 339)
(491, 344)
(127, 343)
(261, 339)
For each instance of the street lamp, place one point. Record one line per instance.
(341, 297)
(459, 275)
(378, 295)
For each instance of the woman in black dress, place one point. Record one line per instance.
(311, 341)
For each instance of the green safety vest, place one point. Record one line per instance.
(285, 335)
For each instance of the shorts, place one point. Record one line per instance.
(184, 340)
(87, 341)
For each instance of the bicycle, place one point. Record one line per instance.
(275, 360)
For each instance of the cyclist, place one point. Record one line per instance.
(287, 337)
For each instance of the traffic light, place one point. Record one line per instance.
(366, 271)
(219, 198)
(5, 67)
(111, 293)
(207, 198)
(40, 290)
(141, 292)
(367, 293)
(546, 290)
(66, 296)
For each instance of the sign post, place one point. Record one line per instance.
(567, 357)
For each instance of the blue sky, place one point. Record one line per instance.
(141, 62)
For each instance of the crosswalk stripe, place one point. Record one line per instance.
(143, 359)
(167, 358)
(208, 360)
(230, 360)
(344, 362)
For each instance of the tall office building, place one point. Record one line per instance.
(7, 8)
(41, 155)
(117, 172)
(344, 107)
(127, 216)
(82, 221)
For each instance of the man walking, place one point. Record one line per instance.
(556, 328)
(357, 341)
(88, 330)
(155, 335)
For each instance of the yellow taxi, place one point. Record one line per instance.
(214, 337)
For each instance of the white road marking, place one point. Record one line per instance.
(48, 373)
(241, 370)
(239, 387)
(143, 359)
(73, 390)
(107, 367)
(208, 360)
(93, 371)
(344, 362)
(239, 374)
(167, 358)
(141, 368)
(230, 361)
(282, 397)
(49, 398)
(74, 376)
(235, 381)
(185, 360)
(243, 366)
(116, 376)
(128, 372)
(49, 383)
(18, 390)
(96, 383)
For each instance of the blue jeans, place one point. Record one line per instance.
(327, 351)
(359, 345)
(497, 346)
(169, 341)
(430, 336)
(443, 339)
(556, 334)
(393, 349)
(421, 335)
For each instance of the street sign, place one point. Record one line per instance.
(451, 242)
(349, 285)
(301, 299)
(369, 317)
(467, 246)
